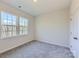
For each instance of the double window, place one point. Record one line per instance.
(12, 25)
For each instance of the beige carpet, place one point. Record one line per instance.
(38, 49)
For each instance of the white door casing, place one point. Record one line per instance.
(74, 34)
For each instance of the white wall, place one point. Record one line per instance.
(10, 43)
(53, 28)
(74, 7)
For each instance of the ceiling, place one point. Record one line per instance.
(40, 7)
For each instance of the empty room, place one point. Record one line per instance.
(39, 28)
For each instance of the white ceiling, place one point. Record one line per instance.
(40, 7)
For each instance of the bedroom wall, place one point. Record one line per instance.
(9, 43)
(53, 27)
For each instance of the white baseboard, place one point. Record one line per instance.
(55, 43)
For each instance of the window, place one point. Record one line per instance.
(23, 25)
(10, 25)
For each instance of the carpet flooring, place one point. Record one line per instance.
(38, 49)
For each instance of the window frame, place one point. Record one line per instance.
(6, 26)
(24, 26)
